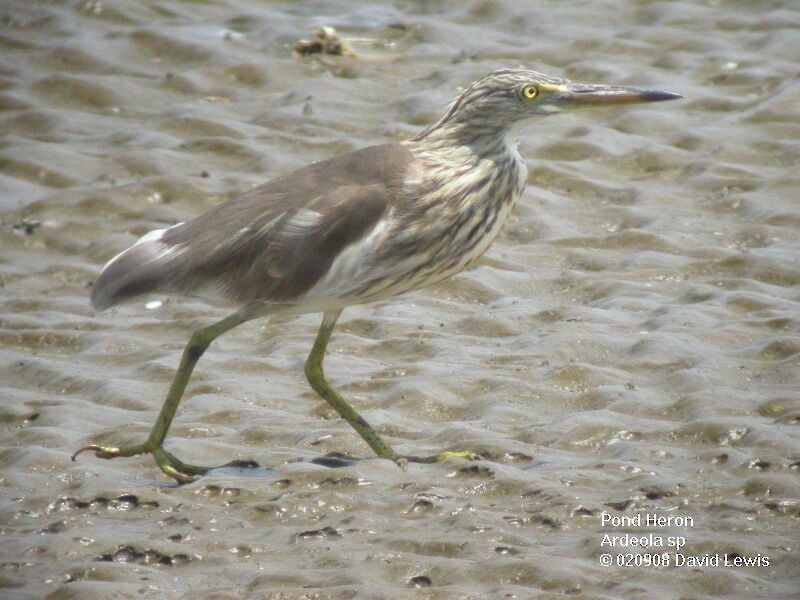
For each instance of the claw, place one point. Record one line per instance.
(107, 452)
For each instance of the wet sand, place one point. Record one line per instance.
(630, 345)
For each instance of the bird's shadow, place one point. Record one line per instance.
(251, 469)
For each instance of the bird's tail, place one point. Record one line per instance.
(142, 268)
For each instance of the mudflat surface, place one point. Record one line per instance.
(630, 345)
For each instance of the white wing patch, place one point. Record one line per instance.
(150, 236)
(303, 219)
(349, 266)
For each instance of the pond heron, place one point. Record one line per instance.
(352, 229)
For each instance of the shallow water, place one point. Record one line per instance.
(629, 345)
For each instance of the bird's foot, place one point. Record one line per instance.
(177, 469)
(466, 455)
(109, 452)
(403, 461)
(180, 471)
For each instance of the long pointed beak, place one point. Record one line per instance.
(577, 95)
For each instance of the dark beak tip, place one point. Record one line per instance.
(656, 96)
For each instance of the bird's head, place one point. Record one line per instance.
(507, 96)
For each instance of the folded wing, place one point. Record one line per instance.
(273, 243)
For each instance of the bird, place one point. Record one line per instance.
(352, 229)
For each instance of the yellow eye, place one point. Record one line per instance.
(529, 92)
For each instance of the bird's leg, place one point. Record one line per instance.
(316, 377)
(173, 467)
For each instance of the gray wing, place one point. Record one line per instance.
(273, 243)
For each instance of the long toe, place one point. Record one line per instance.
(466, 455)
(433, 458)
(177, 469)
(109, 452)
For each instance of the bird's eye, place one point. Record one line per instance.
(529, 92)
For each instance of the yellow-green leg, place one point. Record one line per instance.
(182, 472)
(316, 377)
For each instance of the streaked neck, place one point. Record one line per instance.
(463, 145)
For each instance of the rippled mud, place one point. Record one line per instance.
(631, 343)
